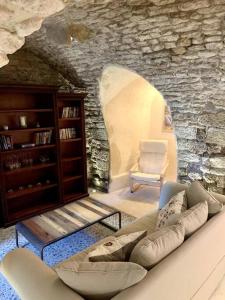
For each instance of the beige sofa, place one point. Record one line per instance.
(193, 271)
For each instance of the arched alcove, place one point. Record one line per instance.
(133, 110)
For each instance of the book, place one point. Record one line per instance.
(67, 133)
(6, 142)
(43, 138)
(70, 112)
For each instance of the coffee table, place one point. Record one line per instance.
(52, 226)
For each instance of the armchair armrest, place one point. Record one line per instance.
(32, 279)
(164, 169)
(134, 168)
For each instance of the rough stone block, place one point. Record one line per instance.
(216, 136)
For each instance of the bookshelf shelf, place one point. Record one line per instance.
(70, 178)
(19, 130)
(29, 191)
(70, 140)
(31, 168)
(62, 177)
(13, 111)
(69, 119)
(39, 147)
(68, 159)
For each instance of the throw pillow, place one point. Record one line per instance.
(170, 213)
(117, 248)
(157, 245)
(193, 218)
(100, 280)
(197, 193)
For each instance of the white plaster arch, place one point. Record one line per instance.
(132, 109)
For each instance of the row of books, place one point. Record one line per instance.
(6, 142)
(43, 138)
(70, 112)
(67, 133)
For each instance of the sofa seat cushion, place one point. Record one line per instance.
(145, 176)
(157, 245)
(116, 249)
(193, 218)
(100, 280)
(170, 213)
(197, 193)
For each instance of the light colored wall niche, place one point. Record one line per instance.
(132, 110)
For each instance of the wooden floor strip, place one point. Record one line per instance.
(106, 207)
(98, 208)
(75, 214)
(88, 207)
(69, 217)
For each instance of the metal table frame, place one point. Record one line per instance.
(116, 212)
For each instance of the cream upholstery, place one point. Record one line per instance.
(192, 271)
(152, 164)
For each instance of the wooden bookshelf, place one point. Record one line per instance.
(72, 150)
(44, 176)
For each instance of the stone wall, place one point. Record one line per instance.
(178, 46)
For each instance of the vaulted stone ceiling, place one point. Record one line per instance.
(20, 18)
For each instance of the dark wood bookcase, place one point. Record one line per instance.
(42, 159)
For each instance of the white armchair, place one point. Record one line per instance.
(152, 164)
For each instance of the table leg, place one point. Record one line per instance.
(42, 253)
(17, 239)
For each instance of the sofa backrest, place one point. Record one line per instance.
(168, 190)
(183, 273)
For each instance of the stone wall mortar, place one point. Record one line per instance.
(179, 47)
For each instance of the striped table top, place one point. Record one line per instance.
(55, 224)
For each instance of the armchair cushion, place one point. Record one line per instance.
(145, 176)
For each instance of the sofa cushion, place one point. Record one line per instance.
(116, 249)
(170, 213)
(197, 193)
(147, 222)
(155, 246)
(100, 280)
(193, 218)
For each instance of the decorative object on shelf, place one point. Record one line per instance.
(10, 191)
(48, 181)
(12, 163)
(44, 158)
(23, 121)
(5, 127)
(30, 186)
(21, 188)
(27, 145)
(67, 133)
(38, 125)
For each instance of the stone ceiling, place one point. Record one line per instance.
(20, 18)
